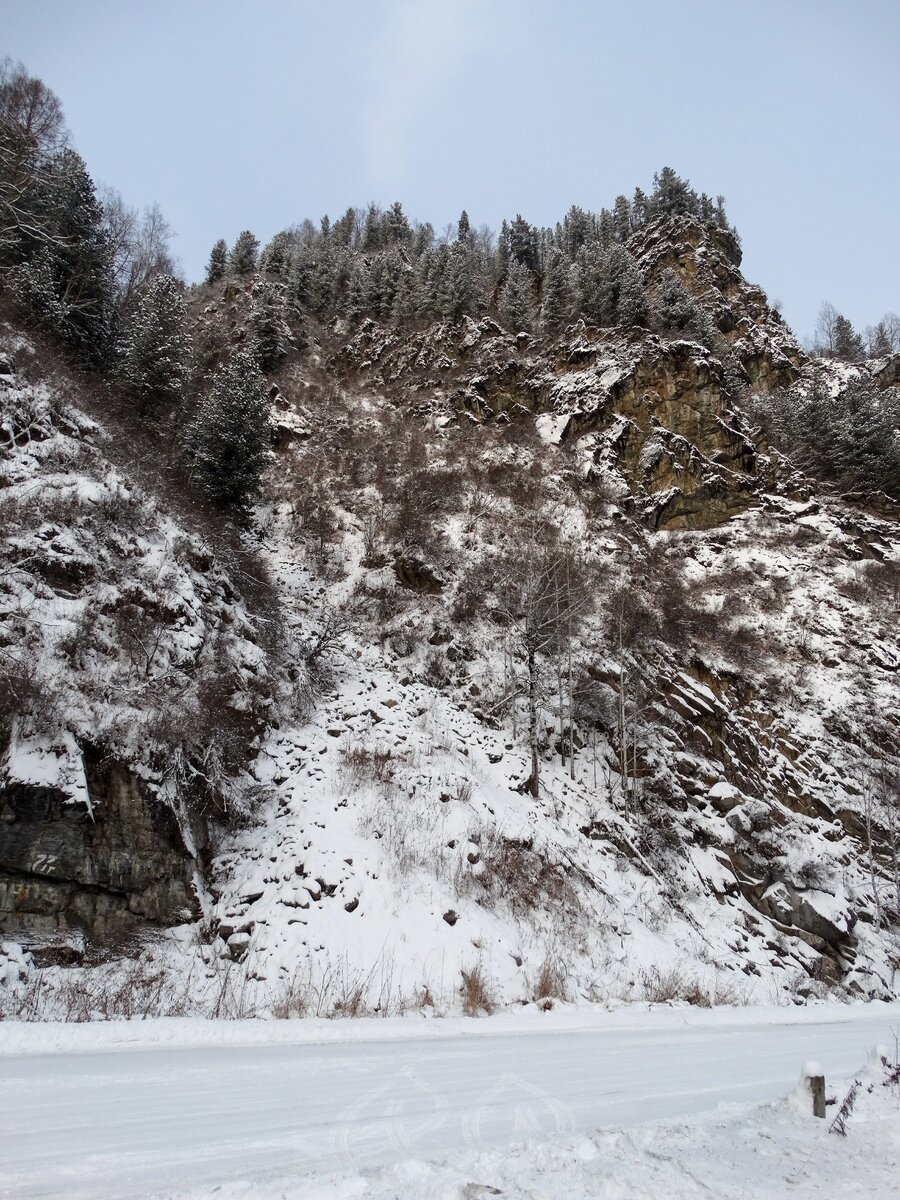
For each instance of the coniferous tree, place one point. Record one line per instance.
(81, 256)
(515, 305)
(423, 239)
(459, 285)
(557, 294)
(353, 299)
(577, 229)
(372, 230)
(848, 345)
(346, 229)
(622, 219)
(627, 289)
(606, 229)
(850, 439)
(300, 278)
(676, 311)
(243, 254)
(594, 298)
(639, 208)
(218, 262)
(270, 334)
(671, 194)
(33, 290)
(230, 437)
(155, 353)
(523, 244)
(387, 274)
(404, 310)
(396, 227)
(276, 257)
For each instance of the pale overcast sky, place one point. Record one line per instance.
(255, 115)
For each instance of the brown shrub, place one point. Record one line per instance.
(366, 764)
(550, 982)
(517, 875)
(662, 986)
(476, 994)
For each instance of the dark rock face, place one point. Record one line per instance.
(649, 417)
(110, 873)
(707, 261)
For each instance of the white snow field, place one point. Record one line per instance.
(533, 1104)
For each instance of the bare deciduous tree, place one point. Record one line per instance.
(139, 246)
(544, 597)
(32, 131)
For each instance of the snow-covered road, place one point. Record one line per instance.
(135, 1121)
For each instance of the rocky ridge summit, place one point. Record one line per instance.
(714, 717)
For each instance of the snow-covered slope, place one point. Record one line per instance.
(399, 856)
(715, 724)
(134, 673)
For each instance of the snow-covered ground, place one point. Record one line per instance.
(571, 1102)
(390, 857)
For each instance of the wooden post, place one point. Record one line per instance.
(816, 1081)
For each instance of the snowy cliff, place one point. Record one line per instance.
(686, 790)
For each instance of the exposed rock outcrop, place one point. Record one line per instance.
(707, 259)
(109, 862)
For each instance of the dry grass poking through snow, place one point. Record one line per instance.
(674, 984)
(477, 997)
(551, 981)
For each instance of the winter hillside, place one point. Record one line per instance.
(537, 674)
(400, 622)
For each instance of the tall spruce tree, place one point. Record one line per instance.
(243, 254)
(459, 284)
(557, 295)
(270, 334)
(81, 256)
(33, 290)
(626, 288)
(276, 257)
(596, 301)
(515, 305)
(155, 353)
(218, 262)
(396, 227)
(848, 345)
(230, 437)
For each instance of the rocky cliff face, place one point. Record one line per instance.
(110, 861)
(707, 260)
(718, 793)
(133, 673)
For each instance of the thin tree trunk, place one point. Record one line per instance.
(559, 680)
(569, 670)
(571, 716)
(868, 801)
(562, 710)
(534, 783)
(623, 740)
